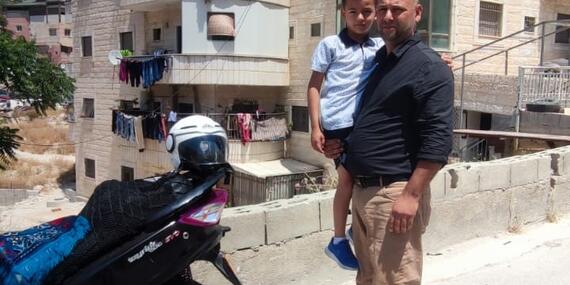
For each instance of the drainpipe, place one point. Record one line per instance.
(518, 107)
(542, 44)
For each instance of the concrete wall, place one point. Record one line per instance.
(496, 94)
(10, 197)
(261, 28)
(545, 123)
(468, 200)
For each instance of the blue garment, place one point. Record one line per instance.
(125, 127)
(27, 257)
(346, 65)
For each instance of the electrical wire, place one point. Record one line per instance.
(66, 144)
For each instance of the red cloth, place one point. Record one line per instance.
(244, 121)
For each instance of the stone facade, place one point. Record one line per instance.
(96, 78)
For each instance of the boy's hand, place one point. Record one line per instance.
(333, 148)
(317, 140)
(448, 60)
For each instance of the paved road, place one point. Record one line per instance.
(536, 255)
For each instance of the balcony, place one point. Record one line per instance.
(264, 139)
(225, 70)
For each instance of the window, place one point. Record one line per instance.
(67, 50)
(19, 28)
(185, 108)
(490, 19)
(67, 32)
(127, 41)
(156, 34)
(300, 117)
(529, 23)
(52, 32)
(316, 30)
(221, 26)
(291, 32)
(435, 25)
(88, 109)
(87, 46)
(89, 168)
(127, 173)
(562, 37)
(126, 105)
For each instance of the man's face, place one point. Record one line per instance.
(397, 19)
(359, 15)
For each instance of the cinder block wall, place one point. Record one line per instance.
(468, 200)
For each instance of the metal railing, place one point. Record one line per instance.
(561, 26)
(251, 127)
(477, 150)
(539, 83)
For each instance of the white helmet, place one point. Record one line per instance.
(197, 143)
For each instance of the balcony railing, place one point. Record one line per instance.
(251, 127)
(220, 69)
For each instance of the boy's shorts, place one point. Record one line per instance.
(340, 134)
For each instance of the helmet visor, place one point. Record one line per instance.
(203, 150)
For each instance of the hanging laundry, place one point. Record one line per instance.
(149, 71)
(243, 122)
(139, 135)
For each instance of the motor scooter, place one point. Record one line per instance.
(170, 240)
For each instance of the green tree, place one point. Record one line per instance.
(28, 76)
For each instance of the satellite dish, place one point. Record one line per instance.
(115, 57)
(62, 66)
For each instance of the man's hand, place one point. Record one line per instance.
(448, 60)
(333, 148)
(403, 213)
(318, 140)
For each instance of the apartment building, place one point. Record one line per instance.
(224, 58)
(47, 22)
(229, 57)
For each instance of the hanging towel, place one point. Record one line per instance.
(139, 135)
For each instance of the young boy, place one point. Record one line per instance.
(344, 62)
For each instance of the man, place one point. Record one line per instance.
(402, 136)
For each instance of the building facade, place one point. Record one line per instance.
(48, 23)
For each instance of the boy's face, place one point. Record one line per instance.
(359, 15)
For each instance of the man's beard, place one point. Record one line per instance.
(396, 35)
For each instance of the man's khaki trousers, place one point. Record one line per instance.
(384, 257)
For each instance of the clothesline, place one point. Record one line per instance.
(150, 70)
(139, 125)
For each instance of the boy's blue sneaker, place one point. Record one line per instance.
(342, 254)
(349, 235)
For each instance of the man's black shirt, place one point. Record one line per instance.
(405, 113)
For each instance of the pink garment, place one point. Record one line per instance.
(123, 74)
(244, 121)
(163, 126)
